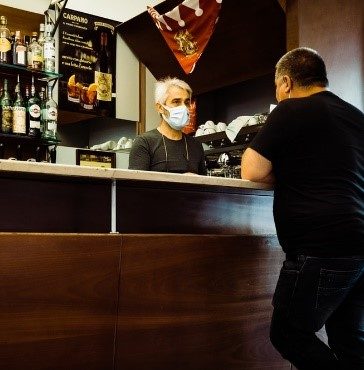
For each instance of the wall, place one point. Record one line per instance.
(152, 117)
(245, 98)
(116, 10)
(335, 29)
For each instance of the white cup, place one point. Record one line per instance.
(220, 126)
(128, 144)
(208, 131)
(209, 124)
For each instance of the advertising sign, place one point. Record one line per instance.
(87, 48)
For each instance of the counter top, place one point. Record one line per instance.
(123, 174)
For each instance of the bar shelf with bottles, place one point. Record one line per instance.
(28, 118)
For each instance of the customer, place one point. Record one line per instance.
(166, 148)
(312, 149)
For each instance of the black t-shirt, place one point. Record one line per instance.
(316, 146)
(151, 153)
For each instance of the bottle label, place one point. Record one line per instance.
(49, 51)
(52, 126)
(34, 111)
(19, 123)
(37, 58)
(104, 85)
(20, 53)
(7, 119)
(5, 44)
(34, 124)
(52, 114)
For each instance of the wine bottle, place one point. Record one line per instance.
(6, 103)
(103, 76)
(34, 112)
(5, 41)
(19, 50)
(19, 112)
(35, 54)
(49, 50)
(43, 111)
(50, 124)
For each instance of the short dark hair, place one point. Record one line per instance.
(305, 66)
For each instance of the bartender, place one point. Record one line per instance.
(167, 148)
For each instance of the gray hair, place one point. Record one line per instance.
(162, 86)
(305, 66)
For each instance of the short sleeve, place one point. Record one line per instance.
(139, 157)
(273, 138)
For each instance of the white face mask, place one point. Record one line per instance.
(178, 116)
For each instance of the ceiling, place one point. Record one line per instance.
(249, 38)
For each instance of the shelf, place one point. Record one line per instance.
(225, 149)
(12, 138)
(222, 135)
(41, 75)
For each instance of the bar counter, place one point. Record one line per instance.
(118, 269)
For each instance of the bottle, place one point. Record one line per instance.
(5, 41)
(103, 76)
(41, 35)
(6, 103)
(49, 50)
(43, 115)
(19, 112)
(19, 50)
(50, 123)
(33, 112)
(35, 54)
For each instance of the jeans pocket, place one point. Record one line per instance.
(333, 287)
(285, 288)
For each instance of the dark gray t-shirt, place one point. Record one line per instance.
(151, 153)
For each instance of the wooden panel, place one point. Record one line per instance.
(54, 204)
(197, 303)
(58, 301)
(18, 19)
(335, 29)
(181, 208)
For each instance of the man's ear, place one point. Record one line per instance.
(159, 108)
(288, 82)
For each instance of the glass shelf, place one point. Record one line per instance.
(41, 75)
(27, 139)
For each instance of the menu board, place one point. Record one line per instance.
(87, 49)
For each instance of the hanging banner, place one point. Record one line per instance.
(87, 49)
(187, 29)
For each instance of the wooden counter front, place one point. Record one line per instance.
(184, 282)
(135, 302)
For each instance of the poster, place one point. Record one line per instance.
(87, 55)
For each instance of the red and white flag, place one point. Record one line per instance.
(187, 29)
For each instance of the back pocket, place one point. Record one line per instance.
(333, 287)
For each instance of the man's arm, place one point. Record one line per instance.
(255, 167)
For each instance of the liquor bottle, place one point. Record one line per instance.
(19, 112)
(41, 37)
(5, 41)
(35, 54)
(6, 110)
(33, 112)
(19, 50)
(50, 124)
(43, 111)
(103, 76)
(49, 50)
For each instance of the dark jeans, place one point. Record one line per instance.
(312, 292)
